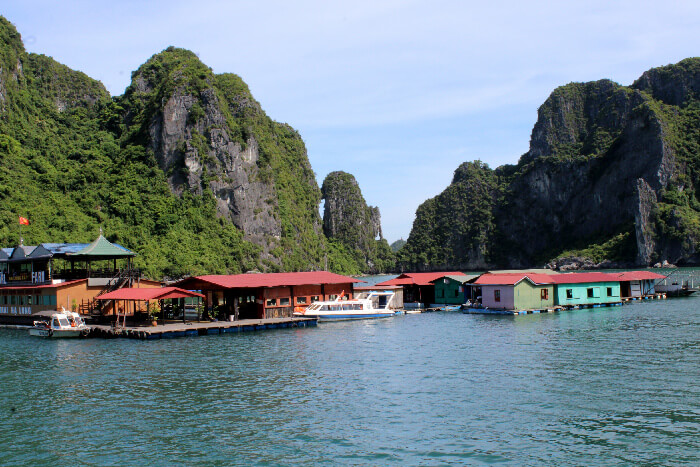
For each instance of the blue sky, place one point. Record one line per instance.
(398, 93)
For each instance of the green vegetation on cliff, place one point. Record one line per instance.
(73, 159)
(461, 217)
(353, 226)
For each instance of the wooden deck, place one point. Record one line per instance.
(193, 329)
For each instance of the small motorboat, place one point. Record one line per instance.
(369, 305)
(60, 324)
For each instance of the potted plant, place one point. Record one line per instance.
(153, 311)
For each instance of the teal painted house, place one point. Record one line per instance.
(585, 288)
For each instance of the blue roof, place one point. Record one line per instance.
(57, 249)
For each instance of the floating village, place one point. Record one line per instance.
(93, 290)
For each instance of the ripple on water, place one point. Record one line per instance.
(575, 388)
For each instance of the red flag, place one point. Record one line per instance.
(23, 221)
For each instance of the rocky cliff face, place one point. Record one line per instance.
(186, 121)
(611, 173)
(211, 137)
(348, 220)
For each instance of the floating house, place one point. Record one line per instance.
(270, 295)
(637, 284)
(453, 289)
(418, 287)
(586, 288)
(521, 291)
(51, 276)
(537, 291)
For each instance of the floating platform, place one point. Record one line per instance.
(193, 329)
(555, 309)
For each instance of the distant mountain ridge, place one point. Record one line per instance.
(612, 177)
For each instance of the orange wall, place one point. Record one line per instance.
(79, 292)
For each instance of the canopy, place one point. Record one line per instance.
(160, 293)
(103, 249)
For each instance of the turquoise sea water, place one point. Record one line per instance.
(609, 386)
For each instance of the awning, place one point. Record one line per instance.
(161, 293)
(102, 249)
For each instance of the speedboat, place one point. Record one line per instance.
(63, 324)
(366, 305)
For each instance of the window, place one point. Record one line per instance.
(301, 300)
(497, 295)
(13, 299)
(610, 291)
(271, 302)
(284, 301)
(332, 297)
(544, 294)
(314, 298)
(457, 293)
(593, 292)
(569, 294)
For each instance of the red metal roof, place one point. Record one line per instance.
(512, 279)
(159, 293)
(583, 277)
(566, 278)
(254, 281)
(419, 278)
(637, 276)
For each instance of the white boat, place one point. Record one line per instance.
(367, 305)
(60, 324)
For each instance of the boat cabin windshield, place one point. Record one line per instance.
(59, 322)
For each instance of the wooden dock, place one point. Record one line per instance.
(193, 329)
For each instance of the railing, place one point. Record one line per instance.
(123, 278)
(688, 279)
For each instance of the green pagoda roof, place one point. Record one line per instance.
(102, 248)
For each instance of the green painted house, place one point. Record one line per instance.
(452, 289)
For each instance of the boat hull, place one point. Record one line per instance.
(55, 333)
(343, 317)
